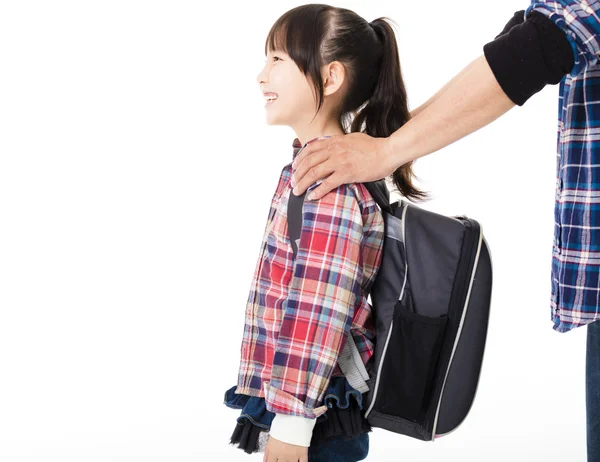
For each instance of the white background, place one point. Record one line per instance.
(136, 170)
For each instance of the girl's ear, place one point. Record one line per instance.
(333, 77)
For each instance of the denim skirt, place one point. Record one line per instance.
(344, 420)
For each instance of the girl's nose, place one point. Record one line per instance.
(259, 78)
(262, 76)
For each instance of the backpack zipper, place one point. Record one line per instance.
(476, 386)
(460, 326)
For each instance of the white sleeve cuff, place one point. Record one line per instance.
(292, 429)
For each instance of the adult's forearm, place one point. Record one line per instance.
(471, 101)
(442, 90)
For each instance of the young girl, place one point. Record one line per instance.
(328, 72)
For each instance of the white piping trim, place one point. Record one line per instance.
(392, 323)
(476, 386)
(456, 340)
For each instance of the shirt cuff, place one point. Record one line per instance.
(292, 429)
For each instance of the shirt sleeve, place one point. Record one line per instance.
(531, 53)
(326, 282)
(580, 21)
(517, 19)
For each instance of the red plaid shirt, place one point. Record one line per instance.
(299, 311)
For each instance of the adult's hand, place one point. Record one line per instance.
(471, 100)
(352, 158)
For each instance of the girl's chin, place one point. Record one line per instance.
(273, 120)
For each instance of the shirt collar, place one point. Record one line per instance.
(297, 146)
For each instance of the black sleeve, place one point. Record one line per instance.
(517, 19)
(529, 56)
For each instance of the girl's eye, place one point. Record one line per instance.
(274, 58)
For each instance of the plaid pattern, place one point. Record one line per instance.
(299, 312)
(575, 297)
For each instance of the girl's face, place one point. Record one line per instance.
(289, 98)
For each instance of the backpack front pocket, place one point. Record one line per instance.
(411, 358)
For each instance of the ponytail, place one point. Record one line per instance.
(387, 108)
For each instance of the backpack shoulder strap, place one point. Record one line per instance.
(378, 190)
(380, 193)
(294, 219)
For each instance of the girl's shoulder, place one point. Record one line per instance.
(365, 200)
(358, 191)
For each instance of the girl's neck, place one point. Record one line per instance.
(313, 131)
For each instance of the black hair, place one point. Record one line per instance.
(375, 102)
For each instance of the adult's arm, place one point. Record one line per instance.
(517, 19)
(473, 101)
(441, 91)
(481, 93)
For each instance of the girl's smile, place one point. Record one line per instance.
(270, 97)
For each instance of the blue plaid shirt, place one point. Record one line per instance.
(576, 254)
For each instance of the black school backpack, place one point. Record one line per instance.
(430, 301)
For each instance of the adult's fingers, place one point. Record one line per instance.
(315, 173)
(328, 184)
(308, 169)
(314, 146)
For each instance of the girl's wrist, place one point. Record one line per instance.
(292, 429)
